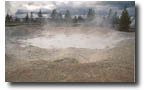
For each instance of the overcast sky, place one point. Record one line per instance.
(75, 7)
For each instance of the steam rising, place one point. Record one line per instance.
(94, 34)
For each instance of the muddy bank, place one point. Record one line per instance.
(35, 64)
(112, 65)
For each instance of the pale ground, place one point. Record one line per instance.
(111, 58)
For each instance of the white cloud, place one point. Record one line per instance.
(13, 6)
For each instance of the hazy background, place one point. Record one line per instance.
(75, 7)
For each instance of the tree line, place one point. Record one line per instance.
(122, 22)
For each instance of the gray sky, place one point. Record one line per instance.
(75, 7)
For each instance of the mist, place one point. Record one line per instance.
(64, 28)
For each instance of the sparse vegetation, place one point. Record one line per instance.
(124, 21)
(110, 20)
(69, 44)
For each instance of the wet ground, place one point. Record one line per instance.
(74, 54)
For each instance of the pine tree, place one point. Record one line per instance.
(75, 19)
(67, 15)
(109, 18)
(40, 13)
(10, 18)
(90, 14)
(54, 14)
(31, 16)
(80, 19)
(110, 14)
(124, 21)
(7, 20)
(27, 18)
(115, 20)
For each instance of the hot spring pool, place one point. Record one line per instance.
(76, 40)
